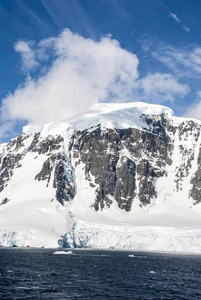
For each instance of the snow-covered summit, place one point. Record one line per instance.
(120, 176)
(109, 115)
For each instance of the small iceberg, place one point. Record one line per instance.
(63, 252)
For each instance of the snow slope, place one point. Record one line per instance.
(109, 115)
(33, 217)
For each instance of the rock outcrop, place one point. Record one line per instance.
(124, 165)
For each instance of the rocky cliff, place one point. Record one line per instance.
(132, 156)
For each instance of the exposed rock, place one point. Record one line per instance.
(195, 191)
(101, 152)
(9, 162)
(4, 201)
(125, 183)
(43, 146)
(20, 141)
(188, 130)
(34, 142)
(63, 180)
(45, 173)
(121, 165)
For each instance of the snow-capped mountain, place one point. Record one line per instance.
(121, 176)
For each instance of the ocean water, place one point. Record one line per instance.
(97, 274)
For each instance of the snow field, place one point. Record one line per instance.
(33, 217)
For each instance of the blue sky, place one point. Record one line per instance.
(59, 57)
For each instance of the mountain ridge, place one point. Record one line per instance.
(120, 167)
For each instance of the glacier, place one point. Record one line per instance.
(142, 193)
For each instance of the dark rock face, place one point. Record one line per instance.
(45, 173)
(4, 201)
(56, 166)
(59, 168)
(146, 186)
(121, 165)
(63, 179)
(46, 145)
(114, 159)
(186, 131)
(19, 143)
(99, 151)
(125, 183)
(195, 191)
(9, 162)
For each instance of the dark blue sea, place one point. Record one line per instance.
(96, 274)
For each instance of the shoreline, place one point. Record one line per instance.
(102, 250)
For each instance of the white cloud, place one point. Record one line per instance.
(82, 72)
(194, 111)
(199, 94)
(7, 129)
(174, 16)
(162, 87)
(185, 62)
(27, 54)
(186, 28)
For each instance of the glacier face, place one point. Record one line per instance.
(123, 176)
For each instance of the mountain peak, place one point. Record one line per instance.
(104, 179)
(109, 115)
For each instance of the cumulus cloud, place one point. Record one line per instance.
(27, 54)
(83, 72)
(80, 72)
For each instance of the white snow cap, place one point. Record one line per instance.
(109, 115)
